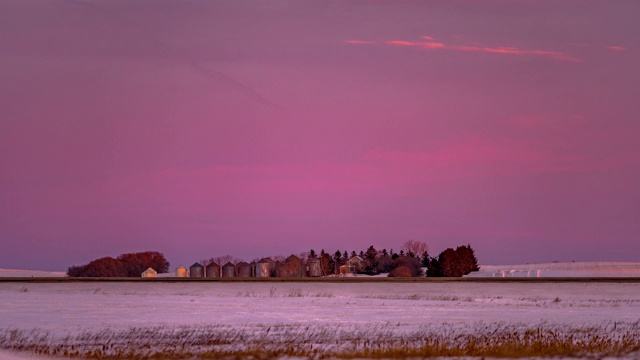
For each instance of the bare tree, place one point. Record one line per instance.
(417, 248)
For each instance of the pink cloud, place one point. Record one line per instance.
(400, 43)
(616, 48)
(503, 50)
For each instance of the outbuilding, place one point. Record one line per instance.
(181, 271)
(213, 270)
(196, 271)
(149, 273)
(243, 270)
(228, 270)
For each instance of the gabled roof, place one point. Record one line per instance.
(197, 264)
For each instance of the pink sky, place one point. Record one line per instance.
(261, 128)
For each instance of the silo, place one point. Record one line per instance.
(314, 267)
(228, 270)
(265, 268)
(292, 267)
(196, 271)
(243, 270)
(181, 271)
(253, 268)
(213, 270)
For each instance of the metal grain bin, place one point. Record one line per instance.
(213, 270)
(196, 271)
(181, 271)
(292, 267)
(228, 270)
(243, 270)
(265, 268)
(314, 267)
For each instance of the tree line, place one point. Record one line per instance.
(410, 261)
(125, 265)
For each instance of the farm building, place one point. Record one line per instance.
(265, 268)
(181, 271)
(243, 270)
(228, 270)
(291, 268)
(149, 273)
(196, 271)
(356, 264)
(253, 268)
(344, 269)
(212, 270)
(314, 267)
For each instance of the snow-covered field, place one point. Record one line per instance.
(571, 269)
(311, 319)
(30, 273)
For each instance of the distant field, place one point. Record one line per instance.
(388, 319)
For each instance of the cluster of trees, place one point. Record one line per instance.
(125, 265)
(453, 263)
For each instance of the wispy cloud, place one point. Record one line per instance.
(429, 43)
(616, 48)
(358, 42)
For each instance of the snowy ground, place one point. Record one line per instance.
(571, 269)
(30, 273)
(324, 315)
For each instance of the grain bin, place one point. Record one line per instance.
(243, 270)
(292, 267)
(253, 268)
(228, 270)
(213, 270)
(314, 267)
(265, 268)
(196, 271)
(181, 271)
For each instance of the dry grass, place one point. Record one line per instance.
(308, 341)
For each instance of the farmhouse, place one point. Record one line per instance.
(356, 264)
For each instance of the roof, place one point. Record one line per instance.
(197, 265)
(292, 257)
